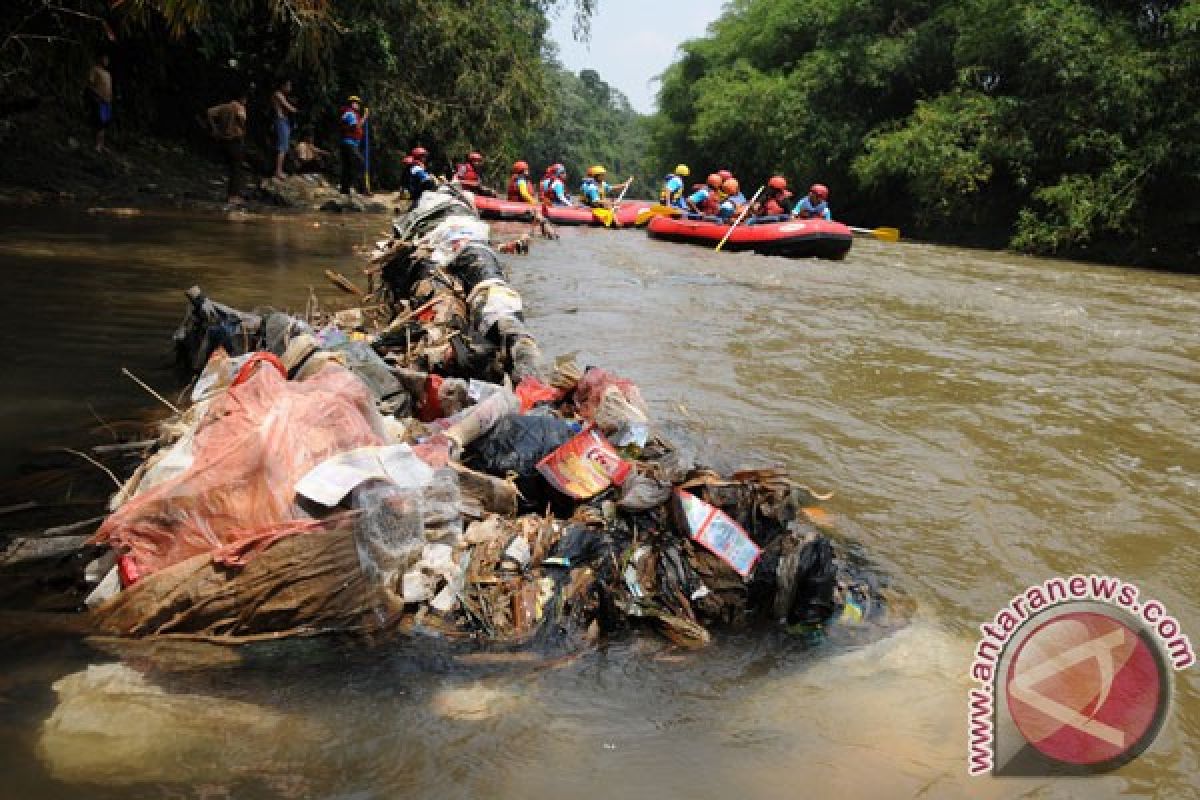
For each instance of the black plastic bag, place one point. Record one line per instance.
(517, 442)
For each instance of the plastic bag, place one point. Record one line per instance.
(389, 531)
(364, 362)
(591, 389)
(441, 507)
(518, 442)
(251, 447)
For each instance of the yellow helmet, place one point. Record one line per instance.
(682, 170)
(354, 99)
(597, 170)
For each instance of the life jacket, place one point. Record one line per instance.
(773, 206)
(594, 185)
(804, 212)
(548, 190)
(353, 132)
(514, 190)
(418, 182)
(466, 173)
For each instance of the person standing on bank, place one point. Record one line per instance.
(228, 124)
(100, 96)
(282, 106)
(351, 121)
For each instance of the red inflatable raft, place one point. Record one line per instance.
(627, 213)
(798, 238)
(571, 215)
(498, 208)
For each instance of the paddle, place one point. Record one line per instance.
(741, 217)
(617, 205)
(604, 215)
(647, 214)
(882, 234)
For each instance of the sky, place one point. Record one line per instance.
(632, 41)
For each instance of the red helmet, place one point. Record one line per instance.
(475, 158)
(820, 190)
(730, 186)
(418, 153)
(725, 174)
(520, 166)
(777, 182)
(714, 181)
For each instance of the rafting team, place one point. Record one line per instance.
(719, 197)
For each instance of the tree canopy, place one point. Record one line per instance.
(453, 77)
(1052, 126)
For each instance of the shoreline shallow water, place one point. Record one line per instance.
(987, 421)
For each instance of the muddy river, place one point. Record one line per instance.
(987, 421)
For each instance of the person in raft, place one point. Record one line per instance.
(729, 205)
(419, 179)
(672, 190)
(707, 198)
(468, 175)
(815, 204)
(555, 192)
(738, 198)
(350, 120)
(520, 185)
(595, 189)
(774, 199)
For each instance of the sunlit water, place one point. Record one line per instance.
(987, 421)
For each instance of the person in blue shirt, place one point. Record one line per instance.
(672, 191)
(814, 204)
(707, 198)
(419, 179)
(595, 189)
(730, 191)
(737, 197)
(554, 187)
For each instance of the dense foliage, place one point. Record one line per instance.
(450, 76)
(1055, 126)
(590, 123)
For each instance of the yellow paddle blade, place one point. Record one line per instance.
(882, 234)
(604, 215)
(646, 214)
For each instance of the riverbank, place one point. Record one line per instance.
(56, 164)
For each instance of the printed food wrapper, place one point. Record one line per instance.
(584, 466)
(716, 530)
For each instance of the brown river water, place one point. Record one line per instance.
(987, 421)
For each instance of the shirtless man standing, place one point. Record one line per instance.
(100, 96)
(228, 124)
(283, 126)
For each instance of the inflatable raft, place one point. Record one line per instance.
(499, 208)
(771, 236)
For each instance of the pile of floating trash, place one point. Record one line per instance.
(412, 464)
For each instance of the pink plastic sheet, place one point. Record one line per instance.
(251, 447)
